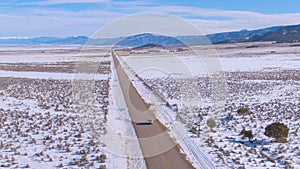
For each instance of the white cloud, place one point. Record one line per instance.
(52, 2)
(53, 22)
(230, 20)
(50, 22)
(147, 22)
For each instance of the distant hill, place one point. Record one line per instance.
(148, 38)
(287, 34)
(243, 35)
(105, 41)
(45, 40)
(148, 46)
(226, 37)
(279, 34)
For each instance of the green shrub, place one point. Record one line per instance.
(211, 123)
(277, 130)
(247, 133)
(244, 111)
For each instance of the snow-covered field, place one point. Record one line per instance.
(267, 83)
(42, 124)
(163, 66)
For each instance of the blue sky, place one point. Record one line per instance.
(62, 18)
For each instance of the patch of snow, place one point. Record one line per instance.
(48, 75)
(150, 67)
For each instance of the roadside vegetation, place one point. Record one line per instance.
(259, 126)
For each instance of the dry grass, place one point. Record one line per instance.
(271, 96)
(44, 126)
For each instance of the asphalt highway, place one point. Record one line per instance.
(160, 151)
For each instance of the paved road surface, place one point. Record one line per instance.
(159, 150)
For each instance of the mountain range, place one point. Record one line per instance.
(278, 34)
(44, 40)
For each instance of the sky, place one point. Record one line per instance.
(62, 18)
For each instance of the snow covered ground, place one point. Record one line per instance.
(270, 101)
(42, 123)
(267, 83)
(49, 75)
(42, 126)
(50, 54)
(164, 66)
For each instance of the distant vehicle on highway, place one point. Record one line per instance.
(147, 122)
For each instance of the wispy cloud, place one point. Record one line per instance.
(57, 2)
(41, 20)
(51, 22)
(223, 20)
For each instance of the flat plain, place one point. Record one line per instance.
(42, 124)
